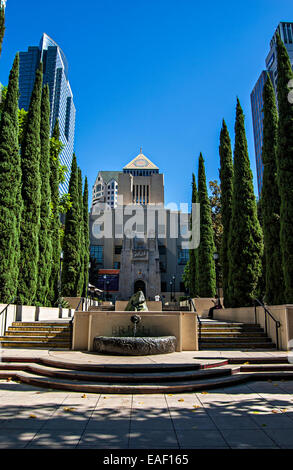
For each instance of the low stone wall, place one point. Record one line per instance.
(203, 305)
(88, 325)
(282, 313)
(26, 313)
(153, 306)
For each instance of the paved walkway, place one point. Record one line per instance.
(257, 415)
(192, 357)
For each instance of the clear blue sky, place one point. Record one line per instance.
(161, 74)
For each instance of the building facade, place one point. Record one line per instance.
(285, 31)
(62, 107)
(257, 119)
(136, 243)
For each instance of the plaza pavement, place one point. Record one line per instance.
(257, 415)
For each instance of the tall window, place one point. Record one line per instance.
(97, 254)
(183, 256)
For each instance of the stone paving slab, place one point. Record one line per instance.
(193, 357)
(254, 415)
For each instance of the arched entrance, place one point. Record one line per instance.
(139, 285)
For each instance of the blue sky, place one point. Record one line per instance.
(156, 74)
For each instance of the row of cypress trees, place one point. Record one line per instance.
(245, 268)
(277, 190)
(76, 237)
(200, 273)
(30, 227)
(242, 246)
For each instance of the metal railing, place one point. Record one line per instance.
(4, 312)
(257, 302)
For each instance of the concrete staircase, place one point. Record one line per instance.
(52, 373)
(224, 335)
(37, 335)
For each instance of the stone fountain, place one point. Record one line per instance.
(135, 345)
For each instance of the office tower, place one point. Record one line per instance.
(55, 68)
(257, 118)
(285, 31)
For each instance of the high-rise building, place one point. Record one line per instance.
(55, 68)
(147, 253)
(285, 31)
(257, 118)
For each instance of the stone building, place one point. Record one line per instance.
(136, 242)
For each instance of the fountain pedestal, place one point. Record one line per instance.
(135, 346)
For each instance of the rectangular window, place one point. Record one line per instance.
(118, 249)
(97, 254)
(183, 256)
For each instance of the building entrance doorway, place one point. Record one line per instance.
(140, 285)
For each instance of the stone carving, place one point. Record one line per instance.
(137, 303)
(135, 346)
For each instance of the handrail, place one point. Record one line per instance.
(267, 312)
(5, 318)
(12, 300)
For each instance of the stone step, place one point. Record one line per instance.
(47, 324)
(47, 333)
(227, 339)
(52, 329)
(232, 330)
(236, 346)
(119, 377)
(123, 388)
(23, 338)
(7, 343)
(228, 334)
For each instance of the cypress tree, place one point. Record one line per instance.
(206, 264)
(226, 177)
(2, 26)
(31, 195)
(10, 188)
(245, 238)
(80, 278)
(71, 247)
(270, 200)
(86, 238)
(45, 242)
(285, 166)
(193, 254)
(55, 149)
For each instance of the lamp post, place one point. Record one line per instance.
(171, 290)
(174, 286)
(216, 260)
(60, 278)
(107, 294)
(105, 278)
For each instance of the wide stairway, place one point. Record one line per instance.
(124, 378)
(224, 335)
(37, 335)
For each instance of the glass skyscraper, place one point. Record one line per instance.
(55, 68)
(257, 118)
(285, 31)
